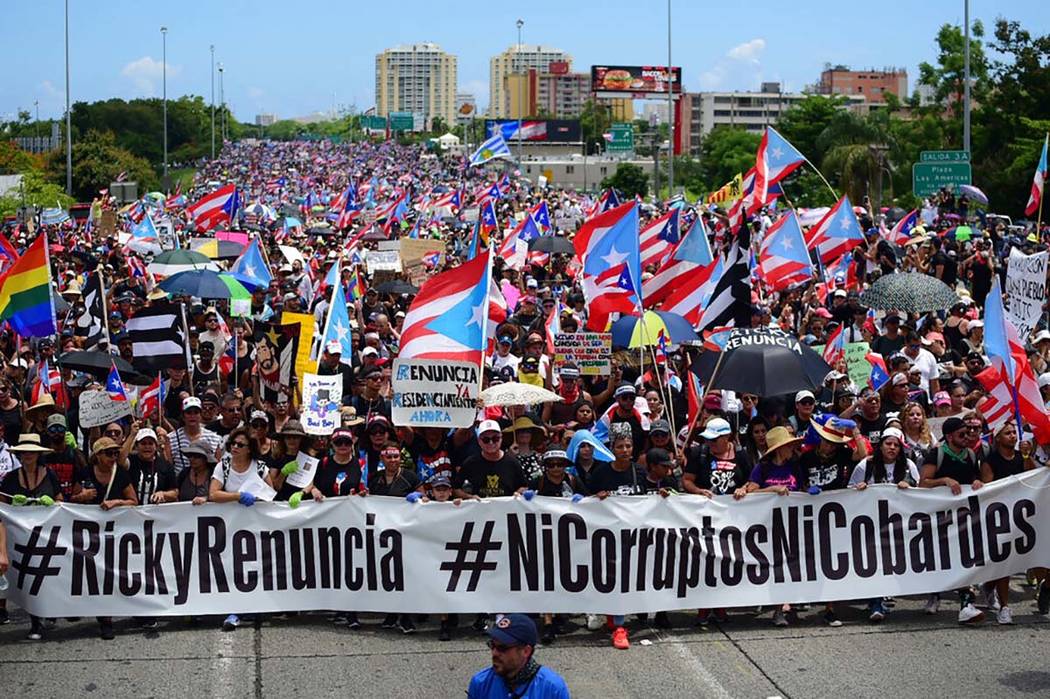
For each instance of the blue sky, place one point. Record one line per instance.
(293, 59)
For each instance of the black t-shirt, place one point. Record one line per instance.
(963, 470)
(12, 421)
(872, 429)
(887, 346)
(148, 479)
(720, 476)
(568, 487)
(403, 483)
(630, 481)
(220, 429)
(491, 479)
(651, 486)
(87, 479)
(14, 483)
(638, 433)
(950, 273)
(830, 472)
(428, 460)
(1003, 467)
(333, 478)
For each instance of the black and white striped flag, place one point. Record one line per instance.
(91, 323)
(730, 303)
(157, 341)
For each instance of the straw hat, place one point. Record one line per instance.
(102, 444)
(525, 423)
(835, 429)
(292, 428)
(779, 437)
(29, 442)
(44, 401)
(348, 416)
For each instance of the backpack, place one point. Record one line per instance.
(227, 464)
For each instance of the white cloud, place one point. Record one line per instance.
(49, 89)
(748, 51)
(146, 74)
(739, 68)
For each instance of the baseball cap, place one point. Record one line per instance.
(899, 379)
(514, 630)
(56, 421)
(259, 415)
(191, 402)
(342, 433)
(1039, 336)
(552, 454)
(803, 395)
(625, 389)
(569, 371)
(489, 426)
(145, 433)
(716, 427)
(834, 375)
(942, 398)
(333, 347)
(952, 424)
(840, 292)
(1044, 380)
(823, 313)
(441, 479)
(660, 426)
(932, 337)
(369, 351)
(505, 340)
(713, 401)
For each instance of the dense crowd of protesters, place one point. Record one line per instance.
(220, 431)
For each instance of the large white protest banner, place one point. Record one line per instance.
(322, 396)
(616, 556)
(1025, 289)
(97, 408)
(435, 393)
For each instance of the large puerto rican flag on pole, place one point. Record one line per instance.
(776, 159)
(449, 316)
(607, 245)
(837, 233)
(659, 238)
(216, 208)
(1037, 182)
(783, 259)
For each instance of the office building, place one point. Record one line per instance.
(509, 82)
(870, 84)
(418, 78)
(265, 119)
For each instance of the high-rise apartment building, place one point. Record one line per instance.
(418, 78)
(509, 96)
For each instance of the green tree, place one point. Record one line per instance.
(629, 179)
(14, 160)
(724, 153)
(595, 120)
(804, 122)
(97, 160)
(947, 76)
(37, 191)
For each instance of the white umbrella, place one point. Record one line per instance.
(517, 394)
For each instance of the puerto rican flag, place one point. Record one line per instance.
(487, 221)
(608, 200)
(449, 317)
(776, 159)
(880, 374)
(997, 405)
(395, 210)
(901, 231)
(1038, 180)
(687, 280)
(835, 348)
(49, 380)
(658, 239)
(447, 205)
(114, 386)
(552, 327)
(542, 215)
(836, 233)
(151, 398)
(8, 253)
(783, 259)
(216, 208)
(607, 246)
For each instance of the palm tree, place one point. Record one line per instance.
(856, 149)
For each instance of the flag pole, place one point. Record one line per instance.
(336, 288)
(821, 176)
(186, 343)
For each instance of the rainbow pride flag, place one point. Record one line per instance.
(357, 286)
(25, 293)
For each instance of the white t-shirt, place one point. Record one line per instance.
(236, 480)
(887, 476)
(927, 365)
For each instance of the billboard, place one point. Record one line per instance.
(542, 130)
(636, 80)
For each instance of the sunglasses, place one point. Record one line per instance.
(749, 399)
(500, 647)
(807, 401)
(239, 445)
(342, 442)
(113, 432)
(490, 440)
(111, 453)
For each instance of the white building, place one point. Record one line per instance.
(418, 78)
(753, 111)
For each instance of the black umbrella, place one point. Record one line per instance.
(912, 292)
(551, 244)
(763, 361)
(375, 234)
(397, 286)
(321, 230)
(98, 364)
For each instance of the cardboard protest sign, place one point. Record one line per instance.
(97, 409)
(389, 260)
(322, 396)
(1025, 290)
(435, 393)
(591, 352)
(413, 250)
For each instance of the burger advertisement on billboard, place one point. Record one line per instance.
(634, 79)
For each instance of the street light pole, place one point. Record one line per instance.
(69, 131)
(670, 111)
(213, 101)
(521, 98)
(164, 84)
(222, 108)
(966, 75)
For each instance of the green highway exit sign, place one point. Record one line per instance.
(944, 156)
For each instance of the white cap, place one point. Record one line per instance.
(489, 426)
(333, 347)
(976, 323)
(191, 402)
(1041, 335)
(369, 351)
(892, 432)
(145, 433)
(716, 427)
(259, 415)
(803, 394)
(834, 375)
(839, 292)
(1044, 380)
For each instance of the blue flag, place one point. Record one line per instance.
(338, 327)
(251, 269)
(494, 147)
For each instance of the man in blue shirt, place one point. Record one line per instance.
(515, 674)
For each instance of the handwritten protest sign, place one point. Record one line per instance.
(591, 352)
(97, 408)
(413, 250)
(1026, 290)
(389, 260)
(321, 399)
(857, 366)
(435, 393)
